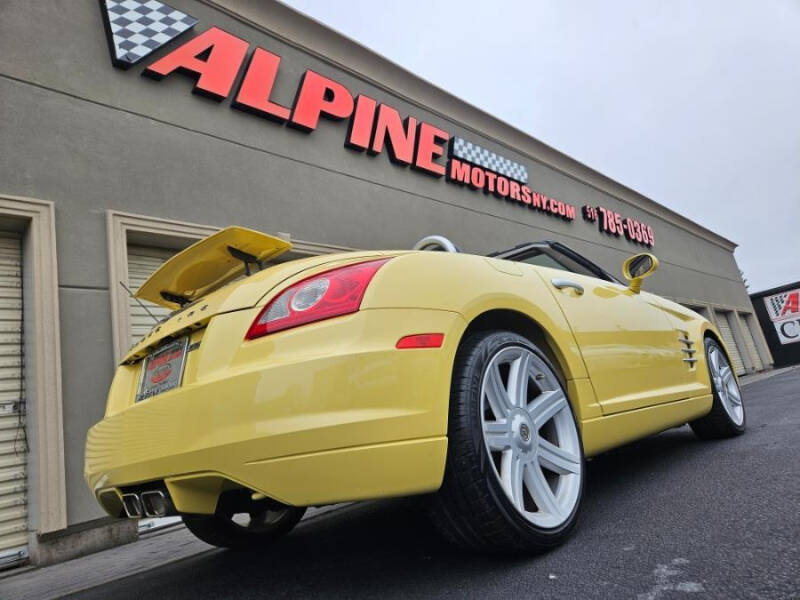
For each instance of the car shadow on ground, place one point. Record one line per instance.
(389, 548)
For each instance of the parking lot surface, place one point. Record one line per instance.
(668, 517)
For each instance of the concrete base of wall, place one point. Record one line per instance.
(82, 539)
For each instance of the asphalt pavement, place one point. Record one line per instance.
(667, 517)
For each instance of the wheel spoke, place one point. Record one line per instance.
(498, 435)
(518, 380)
(545, 406)
(540, 490)
(714, 362)
(725, 374)
(734, 394)
(557, 459)
(496, 393)
(511, 468)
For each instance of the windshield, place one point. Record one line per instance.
(547, 257)
(555, 256)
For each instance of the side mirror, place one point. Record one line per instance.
(637, 267)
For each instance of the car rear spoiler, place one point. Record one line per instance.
(209, 264)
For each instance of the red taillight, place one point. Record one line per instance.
(421, 340)
(330, 294)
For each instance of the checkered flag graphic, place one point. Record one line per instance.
(137, 27)
(476, 155)
(775, 304)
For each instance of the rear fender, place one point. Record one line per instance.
(472, 285)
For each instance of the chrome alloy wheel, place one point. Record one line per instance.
(725, 384)
(531, 436)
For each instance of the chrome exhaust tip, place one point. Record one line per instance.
(155, 503)
(132, 505)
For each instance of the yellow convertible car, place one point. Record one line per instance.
(274, 386)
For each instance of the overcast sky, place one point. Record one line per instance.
(694, 103)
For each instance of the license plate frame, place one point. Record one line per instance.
(162, 369)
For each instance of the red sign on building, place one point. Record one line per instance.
(214, 59)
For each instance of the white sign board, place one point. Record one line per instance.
(784, 311)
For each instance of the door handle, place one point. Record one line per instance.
(560, 284)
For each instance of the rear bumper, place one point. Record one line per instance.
(323, 413)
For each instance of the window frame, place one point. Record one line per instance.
(47, 495)
(521, 252)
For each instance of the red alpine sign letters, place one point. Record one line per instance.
(214, 59)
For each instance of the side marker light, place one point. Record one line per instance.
(421, 340)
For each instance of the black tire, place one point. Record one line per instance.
(717, 423)
(222, 531)
(471, 509)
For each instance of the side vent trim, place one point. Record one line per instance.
(683, 338)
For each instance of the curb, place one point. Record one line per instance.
(747, 380)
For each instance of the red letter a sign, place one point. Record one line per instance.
(213, 57)
(792, 305)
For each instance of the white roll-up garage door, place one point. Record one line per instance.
(730, 342)
(750, 341)
(13, 440)
(142, 262)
